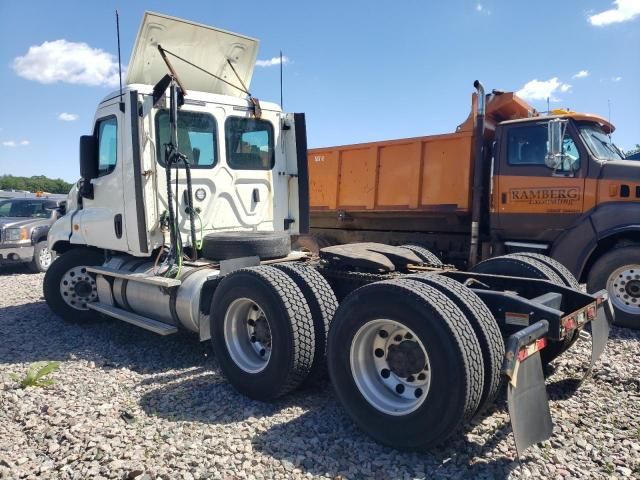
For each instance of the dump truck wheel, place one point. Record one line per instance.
(618, 271)
(484, 326)
(563, 272)
(423, 253)
(322, 304)
(521, 266)
(262, 332)
(42, 258)
(228, 245)
(405, 363)
(68, 287)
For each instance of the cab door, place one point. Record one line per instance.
(101, 220)
(533, 202)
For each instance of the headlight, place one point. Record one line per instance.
(15, 234)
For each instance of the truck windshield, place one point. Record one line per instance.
(600, 143)
(23, 208)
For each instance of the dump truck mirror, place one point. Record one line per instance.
(555, 135)
(88, 157)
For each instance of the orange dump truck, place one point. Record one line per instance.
(508, 180)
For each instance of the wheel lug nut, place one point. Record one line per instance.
(385, 373)
(400, 388)
(418, 392)
(383, 333)
(379, 353)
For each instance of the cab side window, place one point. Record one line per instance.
(527, 145)
(107, 131)
(249, 144)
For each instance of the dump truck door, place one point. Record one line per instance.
(532, 201)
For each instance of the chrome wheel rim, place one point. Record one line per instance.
(45, 258)
(78, 288)
(390, 366)
(623, 286)
(247, 334)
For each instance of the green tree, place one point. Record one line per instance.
(633, 150)
(37, 183)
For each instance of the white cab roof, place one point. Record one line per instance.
(207, 47)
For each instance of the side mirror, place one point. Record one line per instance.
(556, 129)
(88, 157)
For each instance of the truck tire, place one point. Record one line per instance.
(67, 286)
(262, 332)
(405, 363)
(423, 253)
(518, 266)
(228, 245)
(322, 303)
(521, 266)
(618, 271)
(42, 258)
(484, 326)
(563, 272)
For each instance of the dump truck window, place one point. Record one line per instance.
(197, 137)
(527, 145)
(107, 129)
(249, 144)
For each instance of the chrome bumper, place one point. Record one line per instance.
(16, 254)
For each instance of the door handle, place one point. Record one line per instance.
(256, 195)
(117, 225)
(503, 197)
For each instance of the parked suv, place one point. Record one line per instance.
(24, 225)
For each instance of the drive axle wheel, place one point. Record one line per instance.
(405, 363)
(262, 332)
(390, 366)
(68, 287)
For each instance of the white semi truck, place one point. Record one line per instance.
(190, 191)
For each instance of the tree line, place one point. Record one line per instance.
(37, 183)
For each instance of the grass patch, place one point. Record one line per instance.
(36, 375)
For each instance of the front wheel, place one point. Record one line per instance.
(42, 258)
(68, 287)
(618, 271)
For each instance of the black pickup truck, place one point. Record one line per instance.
(24, 225)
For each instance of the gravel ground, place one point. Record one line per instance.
(129, 404)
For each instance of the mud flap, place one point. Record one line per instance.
(600, 326)
(527, 394)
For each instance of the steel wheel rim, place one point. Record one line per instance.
(623, 286)
(247, 334)
(45, 257)
(381, 378)
(78, 288)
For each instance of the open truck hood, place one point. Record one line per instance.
(207, 47)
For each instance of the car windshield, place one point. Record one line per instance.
(600, 143)
(23, 208)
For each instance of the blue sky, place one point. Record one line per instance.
(361, 70)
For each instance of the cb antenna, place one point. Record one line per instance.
(119, 60)
(281, 100)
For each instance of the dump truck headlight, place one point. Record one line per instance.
(16, 234)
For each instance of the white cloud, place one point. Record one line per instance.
(582, 74)
(68, 117)
(623, 11)
(616, 79)
(14, 143)
(543, 89)
(69, 62)
(271, 62)
(481, 9)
